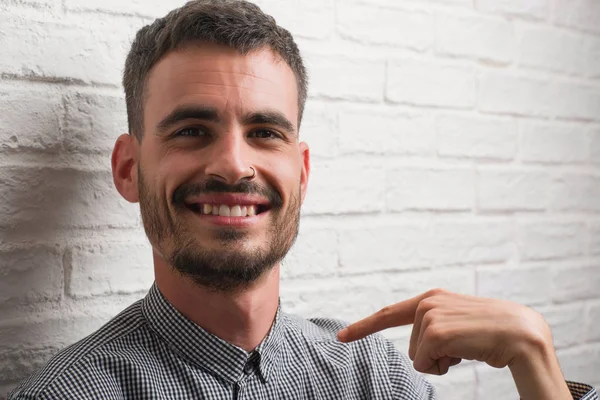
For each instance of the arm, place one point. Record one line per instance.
(537, 374)
(449, 327)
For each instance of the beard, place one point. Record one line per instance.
(230, 267)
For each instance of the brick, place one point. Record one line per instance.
(396, 3)
(40, 130)
(553, 142)
(99, 270)
(18, 364)
(592, 327)
(6, 387)
(346, 78)
(418, 83)
(378, 25)
(386, 132)
(93, 121)
(61, 51)
(513, 190)
(30, 275)
(314, 254)
(518, 95)
(319, 128)
(292, 15)
(458, 384)
(544, 241)
(45, 5)
(489, 39)
(410, 246)
(578, 14)
(411, 284)
(333, 188)
(469, 243)
(580, 364)
(595, 238)
(576, 192)
(476, 137)
(29, 342)
(593, 58)
(146, 8)
(595, 145)
(535, 9)
(329, 297)
(552, 49)
(430, 189)
(575, 282)
(371, 249)
(494, 383)
(523, 284)
(565, 321)
(61, 198)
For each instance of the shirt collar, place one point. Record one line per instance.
(206, 350)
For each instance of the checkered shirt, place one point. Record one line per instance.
(151, 351)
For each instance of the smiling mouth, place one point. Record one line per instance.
(224, 210)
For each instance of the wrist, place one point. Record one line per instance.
(536, 372)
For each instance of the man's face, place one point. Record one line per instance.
(221, 174)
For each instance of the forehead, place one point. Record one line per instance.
(220, 77)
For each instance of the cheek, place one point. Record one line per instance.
(174, 171)
(286, 171)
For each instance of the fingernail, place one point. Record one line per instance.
(342, 334)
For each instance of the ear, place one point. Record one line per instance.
(124, 162)
(305, 172)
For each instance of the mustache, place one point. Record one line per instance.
(216, 186)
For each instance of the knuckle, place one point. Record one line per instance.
(436, 292)
(434, 334)
(426, 304)
(429, 317)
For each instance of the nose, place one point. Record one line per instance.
(229, 158)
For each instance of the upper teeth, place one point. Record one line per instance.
(227, 211)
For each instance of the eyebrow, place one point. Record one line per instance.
(269, 117)
(183, 113)
(210, 114)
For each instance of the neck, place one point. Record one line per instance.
(242, 318)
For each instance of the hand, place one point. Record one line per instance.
(449, 327)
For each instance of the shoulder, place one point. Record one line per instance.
(321, 334)
(326, 330)
(74, 369)
(375, 352)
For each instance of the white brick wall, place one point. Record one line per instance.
(455, 143)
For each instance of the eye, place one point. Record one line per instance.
(264, 134)
(193, 131)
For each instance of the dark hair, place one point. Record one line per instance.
(235, 23)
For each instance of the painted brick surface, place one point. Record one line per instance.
(455, 144)
(514, 283)
(553, 143)
(513, 190)
(430, 189)
(553, 49)
(548, 240)
(474, 36)
(471, 136)
(392, 26)
(389, 132)
(535, 9)
(420, 83)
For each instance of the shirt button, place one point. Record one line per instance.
(247, 368)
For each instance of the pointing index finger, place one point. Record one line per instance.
(398, 314)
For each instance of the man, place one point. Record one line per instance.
(215, 93)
